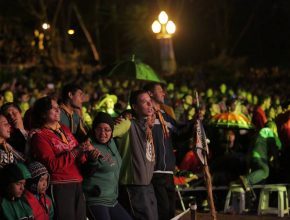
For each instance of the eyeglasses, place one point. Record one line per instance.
(106, 130)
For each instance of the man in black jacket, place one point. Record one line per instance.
(165, 128)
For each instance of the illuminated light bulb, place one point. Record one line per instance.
(170, 27)
(163, 17)
(156, 27)
(45, 26)
(71, 31)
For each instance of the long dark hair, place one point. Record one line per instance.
(40, 111)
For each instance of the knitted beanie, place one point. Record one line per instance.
(37, 170)
(103, 117)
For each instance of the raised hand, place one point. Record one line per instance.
(87, 145)
(94, 154)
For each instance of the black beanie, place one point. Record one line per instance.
(103, 117)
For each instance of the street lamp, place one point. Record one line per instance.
(164, 29)
(71, 31)
(45, 26)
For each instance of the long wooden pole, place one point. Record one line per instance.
(201, 143)
(207, 177)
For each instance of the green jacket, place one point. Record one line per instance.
(101, 184)
(267, 144)
(14, 210)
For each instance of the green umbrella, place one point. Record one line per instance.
(231, 120)
(132, 69)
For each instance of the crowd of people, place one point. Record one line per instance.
(110, 150)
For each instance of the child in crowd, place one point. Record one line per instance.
(13, 204)
(35, 194)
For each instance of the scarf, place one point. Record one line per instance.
(59, 132)
(150, 149)
(163, 123)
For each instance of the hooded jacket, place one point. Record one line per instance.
(100, 186)
(13, 208)
(138, 156)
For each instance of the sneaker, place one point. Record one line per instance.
(245, 183)
(247, 187)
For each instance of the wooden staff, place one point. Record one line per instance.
(202, 152)
(207, 177)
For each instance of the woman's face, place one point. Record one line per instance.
(103, 133)
(53, 113)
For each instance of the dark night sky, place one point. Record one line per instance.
(266, 40)
(203, 30)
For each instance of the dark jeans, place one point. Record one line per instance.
(69, 201)
(100, 212)
(139, 201)
(165, 194)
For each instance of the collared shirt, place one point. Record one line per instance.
(73, 121)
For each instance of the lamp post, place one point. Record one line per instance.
(164, 29)
(45, 26)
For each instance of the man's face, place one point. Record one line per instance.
(188, 100)
(8, 96)
(158, 94)
(17, 188)
(5, 128)
(110, 104)
(77, 99)
(267, 103)
(14, 116)
(272, 113)
(144, 106)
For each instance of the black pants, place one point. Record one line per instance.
(100, 212)
(165, 195)
(139, 201)
(68, 201)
